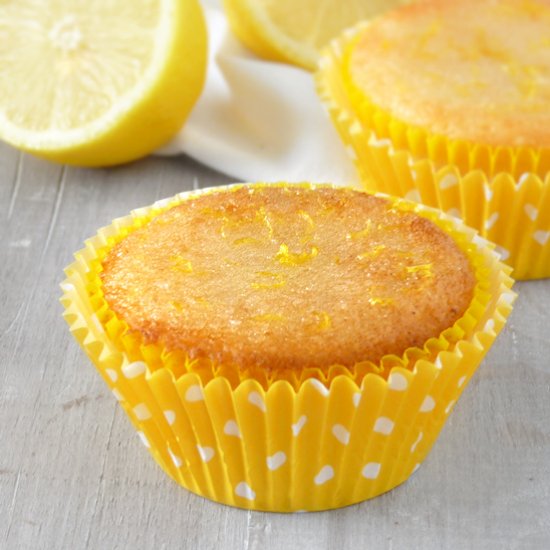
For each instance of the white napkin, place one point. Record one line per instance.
(258, 120)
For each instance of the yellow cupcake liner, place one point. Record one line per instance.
(285, 445)
(503, 192)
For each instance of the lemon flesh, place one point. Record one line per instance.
(99, 82)
(295, 31)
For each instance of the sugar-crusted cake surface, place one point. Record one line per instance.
(285, 277)
(464, 69)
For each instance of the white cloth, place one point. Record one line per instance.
(258, 120)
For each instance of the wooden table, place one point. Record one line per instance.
(73, 473)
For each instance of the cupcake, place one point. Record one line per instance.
(287, 347)
(446, 103)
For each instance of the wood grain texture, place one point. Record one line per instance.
(74, 475)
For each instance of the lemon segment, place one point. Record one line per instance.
(98, 83)
(295, 31)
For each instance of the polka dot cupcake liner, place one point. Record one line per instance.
(286, 445)
(503, 192)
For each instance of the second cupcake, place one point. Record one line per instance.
(448, 103)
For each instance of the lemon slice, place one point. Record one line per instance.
(99, 82)
(296, 30)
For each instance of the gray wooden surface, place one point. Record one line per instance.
(73, 474)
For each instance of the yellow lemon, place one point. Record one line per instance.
(296, 30)
(98, 83)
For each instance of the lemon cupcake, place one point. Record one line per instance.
(283, 347)
(447, 103)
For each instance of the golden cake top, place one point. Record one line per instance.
(288, 277)
(464, 69)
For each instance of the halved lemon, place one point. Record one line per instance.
(295, 31)
(98, 83)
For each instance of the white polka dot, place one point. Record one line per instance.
(371, 470)
(231, 428)
(461, 381)
(144, 439)
(206, 453)
(356, 399)
(454, 212)
(503, 254)
(413, 195)
(117, 394)
(142, 412)
(531, 211)
(383, 425)
(541, 237)
(297, 428)
(175, 459)
(449, 406)
(448, 181)
(491, 220)
(254, 398)
(170, 417)
(112, 374)
(488, 192)
(398, 382)
(418, 439)
(489, 325)
(428, 404)
(194, 393)
(438, 364)
(416, 466)
(340, 433)
(275, 461)
(319, 386)
(243, 490)
(326, 473)
(133, 370)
